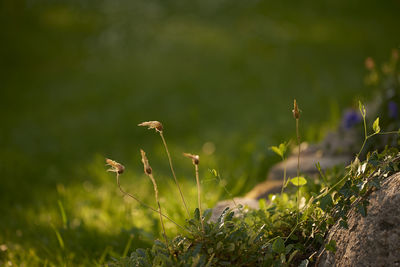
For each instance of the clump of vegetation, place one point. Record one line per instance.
(271, 236)
(289, 230)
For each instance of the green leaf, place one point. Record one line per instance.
(325, 202)
(362, 208)
(281, 150)
(262, 203)
(276, 150)
(279, 245)
(298, 181)
(331, 246)
(207, 214)
(375, 126)
(197, 214)
(343, 224)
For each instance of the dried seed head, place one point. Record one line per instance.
(152, 125)
(115, 166)
(296, 111)
(195, 158)
(146, 165)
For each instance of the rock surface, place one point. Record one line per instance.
(245, 202)
(373, 240)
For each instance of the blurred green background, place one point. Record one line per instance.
(78, 76)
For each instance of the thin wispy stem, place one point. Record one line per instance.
(298, 167)
(196, 160)
(159, 128)
(284, 175)
(159, 206)
(173, 172)
(296, 115)
(199, 195)
(149, 172)
(118, 169)
(145, 205)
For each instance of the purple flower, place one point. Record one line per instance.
(393, 110)
(350, 118)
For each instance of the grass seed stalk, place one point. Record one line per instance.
(159, 128)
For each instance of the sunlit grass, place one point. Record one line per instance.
(78, 79)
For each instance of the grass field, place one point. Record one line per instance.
(78, 76)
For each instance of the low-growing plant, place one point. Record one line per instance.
(271, 236)
(281, 151)
(282, 232)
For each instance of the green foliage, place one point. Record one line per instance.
(375, 126)
(271, 236)
(298, 181)
(92, 69)
(331, 246)
(281, 149)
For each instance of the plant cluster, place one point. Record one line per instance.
(282, 233)
(271, 235)
(288, 231)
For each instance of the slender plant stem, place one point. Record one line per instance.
(319, 256)
(294, 229)
(145, 205)
(365, 136)
(229, 193)
(210, 260)
(338, 183)
(372, 135)
(173, 172)
(159, 206)
(162, 223)
(298, 169)
(365, 128)
(384, 133)
(196, 166)
(284, 175)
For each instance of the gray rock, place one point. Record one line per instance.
(220, 207)
(309, 157)
(373, 240)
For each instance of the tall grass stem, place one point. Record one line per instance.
(298, 168)
(159, 206)
(173, 172)
(196, 166)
